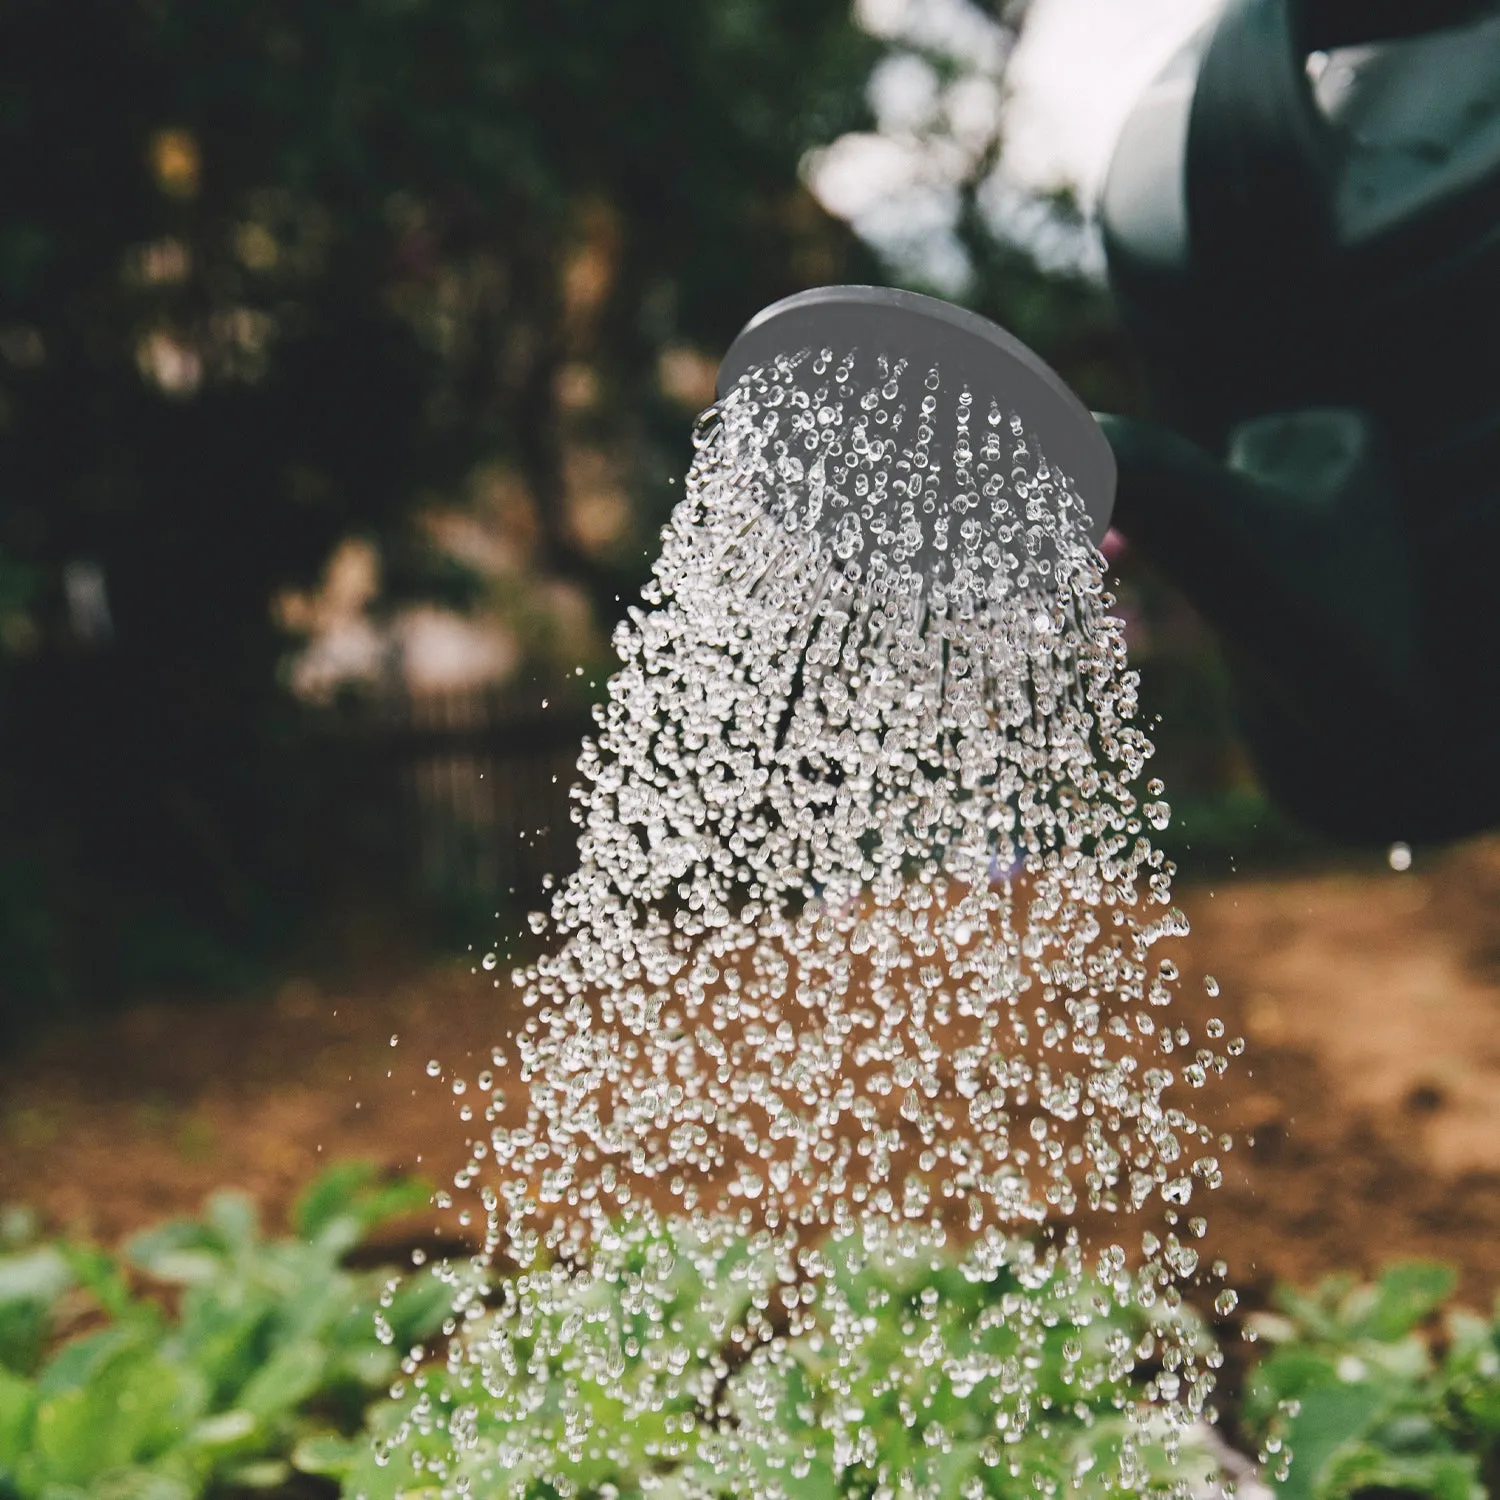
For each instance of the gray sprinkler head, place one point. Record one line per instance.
(864, 324)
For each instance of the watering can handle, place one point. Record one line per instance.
(1261, 157)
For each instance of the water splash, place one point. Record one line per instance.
(854, 979)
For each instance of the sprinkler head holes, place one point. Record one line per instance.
(914, 434)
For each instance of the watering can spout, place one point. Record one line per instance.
(1293, 549)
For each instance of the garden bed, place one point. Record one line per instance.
(1366, 1110)
(1366, 1106)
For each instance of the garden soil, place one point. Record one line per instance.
(1365, 1110)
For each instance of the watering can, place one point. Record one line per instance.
(1302, 223)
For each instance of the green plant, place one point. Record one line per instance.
(1378, 1390)
(207, 1360)
(737, 1425)
(194, 1361)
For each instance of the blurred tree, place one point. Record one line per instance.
(272, 274)
(949, 218)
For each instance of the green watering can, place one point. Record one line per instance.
(1302, 222)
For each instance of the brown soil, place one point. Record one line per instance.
(1366, 1108)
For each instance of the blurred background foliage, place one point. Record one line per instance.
(385, 314)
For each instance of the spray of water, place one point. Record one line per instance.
(856, 968)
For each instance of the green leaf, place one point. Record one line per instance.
(138, 1483)
(1469, 1335)
(23, 1332)
(352, 1192)
(351, 1461)
(32, 1276)
(1480, 1403)
(224, 1332)
(287, 1379)
(1404, 1296)
(1332, 1417)
(417, 1310)
(235, 1218)
(262, 1474)
(397, 1199)
(329, 1456)
(226, 1431)
(1318, 1313)
(134, 1408)
(99, 1272)
(1285, 1375)
(1366, 1468)
(181, 1252)
(81, 1360)
(17, 1410)
(371, 1367)
(331, 1195)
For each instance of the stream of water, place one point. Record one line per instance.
(857, 964)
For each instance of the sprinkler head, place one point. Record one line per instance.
(865, 323)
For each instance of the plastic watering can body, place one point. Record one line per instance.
(1302, 221)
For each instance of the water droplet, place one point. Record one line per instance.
(859, 935)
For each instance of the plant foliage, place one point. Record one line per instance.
(193, 1362)
(207, 1360)
(1380, 1389)
(688, 1445)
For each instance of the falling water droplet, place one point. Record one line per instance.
(851, 979)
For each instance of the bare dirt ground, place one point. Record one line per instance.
(1366, 1107)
